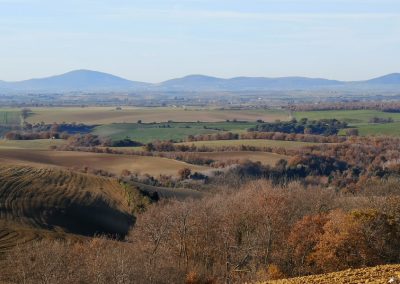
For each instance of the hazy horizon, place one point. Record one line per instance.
(187, 75)
(157, 40)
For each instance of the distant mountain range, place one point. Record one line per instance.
(93, 81)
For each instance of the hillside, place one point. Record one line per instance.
(35, 202)
(108, 162)
(379, 274)
(93, 81)
(390, 79)
(79, 80)
(207, 83)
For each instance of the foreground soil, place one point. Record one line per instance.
(378, 274)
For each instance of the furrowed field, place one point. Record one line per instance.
(47, 203)
(107, 115)
(10, 116)
(111, 163)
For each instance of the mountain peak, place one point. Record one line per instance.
(390, 79)
(85, 80)
(79, 80)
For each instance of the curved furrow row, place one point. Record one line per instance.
(62, 201)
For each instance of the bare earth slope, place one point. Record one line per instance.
(36, 201)
(108, 162)
(379, 274)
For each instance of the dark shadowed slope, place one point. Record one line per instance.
(51, 200)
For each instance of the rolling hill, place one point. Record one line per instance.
(79, 80)
(41, 202)
(93, 81)
(390, 79)
(206, 83)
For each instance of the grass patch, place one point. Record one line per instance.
(10, 117)
(349, 116)
(176, 131)
(359, 119)
(386, 129)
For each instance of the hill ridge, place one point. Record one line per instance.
(88, 80)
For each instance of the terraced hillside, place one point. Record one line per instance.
(379, 274)
(108, 162)
(41, 202)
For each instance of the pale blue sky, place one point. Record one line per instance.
(154, 40)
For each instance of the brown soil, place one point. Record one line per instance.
(111, 163)
(379, 274)
(37, 202)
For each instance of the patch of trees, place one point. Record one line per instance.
(373, 105)
(22, 135)
(300, 137)
(376, 119)
(86, 140)
(210, 137)
(126, 142)
(305, 126)
(70, 128)
(298, 168)
(47, 131)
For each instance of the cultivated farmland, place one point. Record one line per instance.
(10, 116)
(107, 115)
(111, 163)
(44, 201)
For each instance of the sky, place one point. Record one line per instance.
(156, 40)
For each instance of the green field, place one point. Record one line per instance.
(377, 129)
(251, 142)
(10, 117)
(359, 119)
(176, 131)
(349, 116)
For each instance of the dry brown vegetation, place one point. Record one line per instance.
(263, 157)
(328, 207)
(260, 232)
